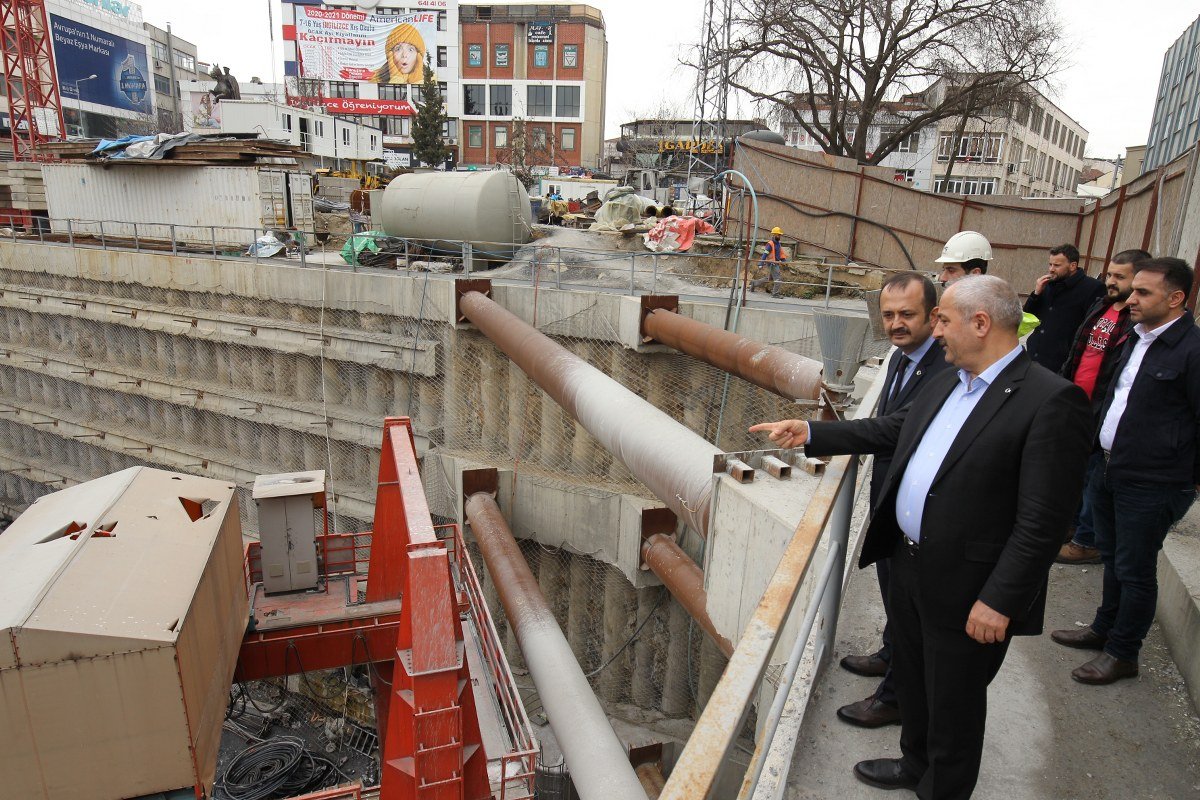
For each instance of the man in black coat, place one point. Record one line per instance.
(906, 304)
(1059, 300)
(987, 471)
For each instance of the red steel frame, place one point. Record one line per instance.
(30, 77)
(430, 742)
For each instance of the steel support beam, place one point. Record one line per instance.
(305, 648)
(684, 580)
(674, 462)
(597, 760)
(772, 368)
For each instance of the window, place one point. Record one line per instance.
(287, 122)
(474, 99)
(374, 141)
(345, 136)
(343, 89)
(443, 56)
(475, 136)
(319, 128)
(162, 85)
(567, 101)
(1035, 118)
(501, 100)
(185, 61)
(568, 138)
(537, 138)
(160, 51)
(540, 101)
(541, 55)
(967, 185)
(450, 129)
(570, 56)
(982, 147)
(474, 55)
(393, 91)
(904, 175)
(501, 51)
(501, 133)
(909, 144)
(441, 20)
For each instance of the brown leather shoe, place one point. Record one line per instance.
(869, 713)
(1081, 639)
(871, 666)
(1104, 669)
(1072, 553)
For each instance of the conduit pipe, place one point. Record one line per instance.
(684, 580)
(598, 762)
(773, 368)
(675, 463)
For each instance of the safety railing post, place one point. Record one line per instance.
(303, 256)
(212, 234)
(558, 270)
(466, 258)
(654, 279)
(103, 241)
(254, 245)
(70, 233)
(174, 242)
(407, 265)
(137, 245)
(632, 267)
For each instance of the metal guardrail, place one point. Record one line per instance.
(645, 272)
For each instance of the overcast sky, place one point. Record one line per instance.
(1115, 48)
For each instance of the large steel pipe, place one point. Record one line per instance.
(773, 368)
(675, 463)
(684, 580)
(598, 762)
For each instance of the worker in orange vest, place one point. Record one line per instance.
(772, 257)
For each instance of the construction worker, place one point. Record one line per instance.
(773, 257)
(966, 253)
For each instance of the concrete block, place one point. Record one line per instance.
(1179, 600)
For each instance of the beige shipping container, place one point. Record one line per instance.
(122, 610)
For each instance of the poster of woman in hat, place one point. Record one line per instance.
(405, 57)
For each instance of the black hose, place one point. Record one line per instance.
(278, 767)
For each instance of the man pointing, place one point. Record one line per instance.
(987, 473)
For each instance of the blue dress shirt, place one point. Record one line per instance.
(912, 359)
(935, 444)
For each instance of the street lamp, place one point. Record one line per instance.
(79, 103)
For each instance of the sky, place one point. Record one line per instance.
(1114, 47)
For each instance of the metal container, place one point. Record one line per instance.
(122, 610)
(195, 205)
(488, 209)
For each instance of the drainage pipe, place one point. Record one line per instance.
(685, 581)
(598, 762)
(675, 463)
(773, 368)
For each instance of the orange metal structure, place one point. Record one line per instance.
(421, 592)
(31, 81)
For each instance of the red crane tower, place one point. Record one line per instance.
(31, 81)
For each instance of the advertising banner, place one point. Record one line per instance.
(119, 65)
(356, 46)
(353, 105)
(540, 33)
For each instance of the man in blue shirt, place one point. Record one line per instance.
(987, 472)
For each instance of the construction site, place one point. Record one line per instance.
(464, 505)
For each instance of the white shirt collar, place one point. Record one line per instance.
(1150, 336)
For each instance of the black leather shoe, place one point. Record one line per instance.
(871, 666)
(869, 713)
(885, 773)
(1081, 639)
(1104, 669)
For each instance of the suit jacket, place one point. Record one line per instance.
(1004, 495)
(1059, 308)
(933, 362)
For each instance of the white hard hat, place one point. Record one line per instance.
(965, 246)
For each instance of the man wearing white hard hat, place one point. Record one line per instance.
(966, 253)
(772, 257)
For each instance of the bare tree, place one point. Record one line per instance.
(835, 67)
(528, 147)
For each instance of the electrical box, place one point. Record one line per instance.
(288, 527)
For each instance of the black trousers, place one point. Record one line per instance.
(942, 678)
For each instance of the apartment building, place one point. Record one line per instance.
(173, 60)
(1176, 123)
(535, 71)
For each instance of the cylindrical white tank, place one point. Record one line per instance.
(489, 209)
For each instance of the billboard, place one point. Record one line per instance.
(338, 45)
(122, 75)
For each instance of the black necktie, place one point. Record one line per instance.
(898, 381)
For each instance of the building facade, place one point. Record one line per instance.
(533, 85)
(1176, 123)
(173, 61)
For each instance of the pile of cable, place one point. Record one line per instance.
(278, 767)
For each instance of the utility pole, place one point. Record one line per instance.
(176, 114)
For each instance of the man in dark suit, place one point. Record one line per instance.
(906, 304)
(987, 472)
(1060, 299)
